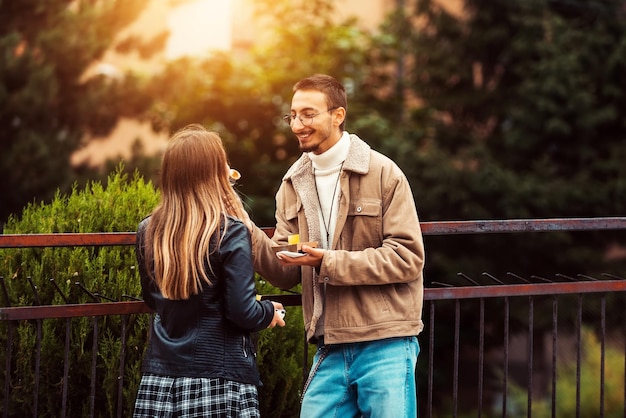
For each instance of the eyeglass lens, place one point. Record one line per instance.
(305, 120)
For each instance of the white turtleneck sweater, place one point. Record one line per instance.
(327, 169)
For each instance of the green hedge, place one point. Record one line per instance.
(110, 274)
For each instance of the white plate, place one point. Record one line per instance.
(291, 254)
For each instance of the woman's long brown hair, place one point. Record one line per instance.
(195, 196)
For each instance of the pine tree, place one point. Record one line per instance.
(530, 98)
(508, 109)
(45, 106)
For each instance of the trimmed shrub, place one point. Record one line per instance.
(77, 275)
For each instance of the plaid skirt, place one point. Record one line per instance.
(168, 397)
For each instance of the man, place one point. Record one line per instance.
(362, 288)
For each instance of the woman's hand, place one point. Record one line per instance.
(278, 316)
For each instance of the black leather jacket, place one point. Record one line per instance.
(208, 335)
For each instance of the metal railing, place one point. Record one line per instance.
(491, 379)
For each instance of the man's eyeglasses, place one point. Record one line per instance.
(305, 119)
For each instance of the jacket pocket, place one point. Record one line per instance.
(366, 207)
(364, 224)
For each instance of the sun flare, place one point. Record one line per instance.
(198, 27)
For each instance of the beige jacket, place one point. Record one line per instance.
(373, 274)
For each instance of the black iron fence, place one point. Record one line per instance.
(514, 366)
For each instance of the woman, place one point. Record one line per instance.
(196, 272)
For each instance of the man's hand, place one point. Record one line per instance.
(312, 258)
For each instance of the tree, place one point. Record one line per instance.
(522, 108)
(46, 107)
(514, 109)
(244, 97)
(528, 94)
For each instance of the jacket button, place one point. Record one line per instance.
(326, 278)
(359, 209)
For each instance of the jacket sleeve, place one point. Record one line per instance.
(265, 260)
(398, 257)
(240, 304)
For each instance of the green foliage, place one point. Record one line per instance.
(280, 359)
(244, 97)
(505, 110)
(527, 104)
(566, 390)
(107, 273)
(46, 104)
(511, 109)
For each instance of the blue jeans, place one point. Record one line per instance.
(374, 379)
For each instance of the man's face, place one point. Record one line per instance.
(322, 131)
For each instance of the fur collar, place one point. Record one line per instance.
(358, 160)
